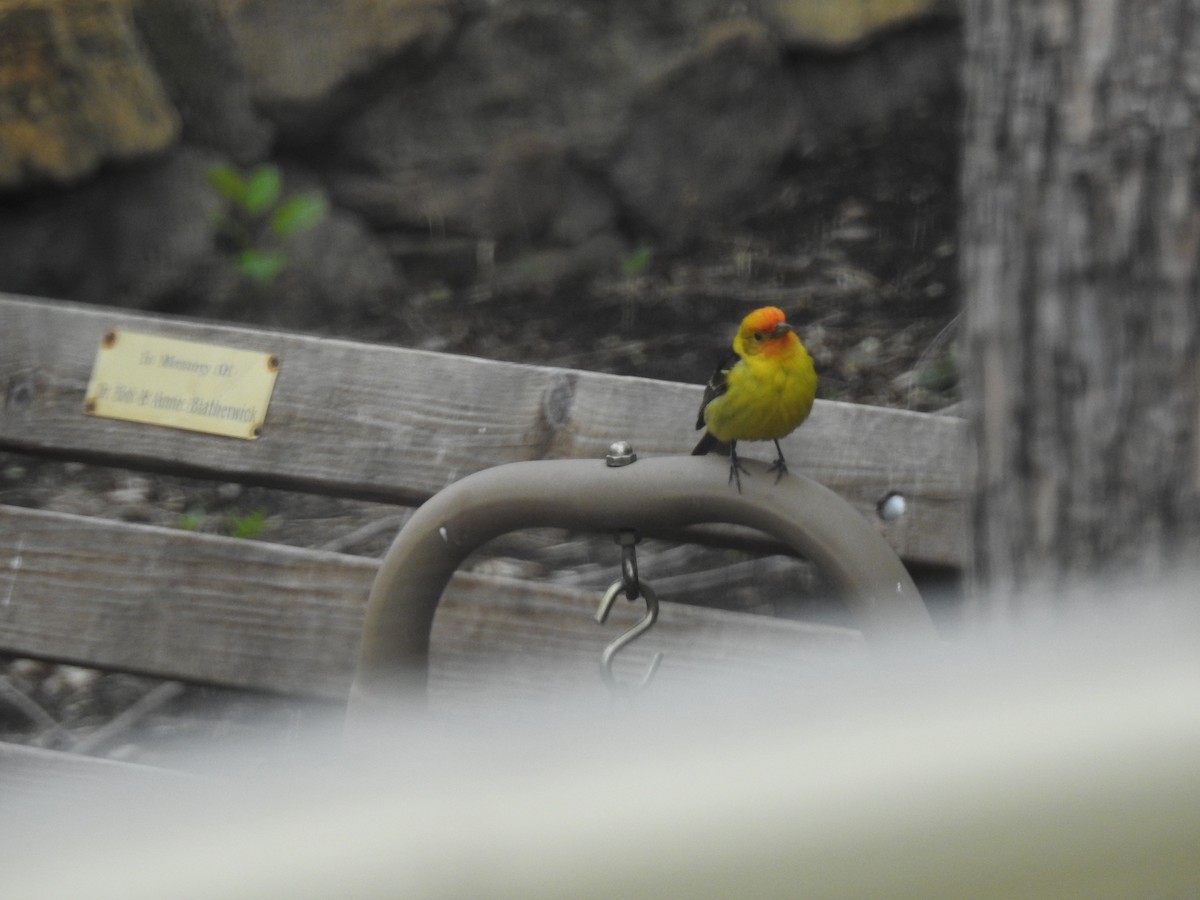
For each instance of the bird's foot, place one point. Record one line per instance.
(779, 467)
(735, 469)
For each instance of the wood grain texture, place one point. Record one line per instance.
(396, 425)
(269, 617)
(179, 605)
(1081, 330)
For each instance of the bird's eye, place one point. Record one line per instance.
(758, 335)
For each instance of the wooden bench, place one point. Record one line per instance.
(392, 426)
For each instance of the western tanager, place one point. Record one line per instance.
(762, 391)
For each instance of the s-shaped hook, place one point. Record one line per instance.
(633, 588)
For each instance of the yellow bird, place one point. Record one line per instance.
(762, 391)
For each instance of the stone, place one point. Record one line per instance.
(707, 137)
(76, 92)
(307, 59)
(533, 191)
(200, 65)
(130, 239)
(844, 24)
(867, 89)
(147, 238)
(437, 154)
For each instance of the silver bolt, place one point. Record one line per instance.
(620, 453)
(892, 507)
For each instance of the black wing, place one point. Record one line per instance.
(717, 385)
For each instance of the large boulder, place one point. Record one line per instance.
(310, 62)
(76, 91)
(844, 24)
(202, 68)
(526, 86)
(708, 136)
(129, 239)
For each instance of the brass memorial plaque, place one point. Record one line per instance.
(181, 384)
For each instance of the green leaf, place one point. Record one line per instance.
(261, 265)
(228, 182)
(248, 527)
(636, 262)
(191, 521)
(939, 375)
(298, 213)
(262, 190)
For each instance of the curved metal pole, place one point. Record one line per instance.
(652, 496)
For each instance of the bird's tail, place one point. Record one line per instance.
(706, 443)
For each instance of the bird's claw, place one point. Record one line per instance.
(736, 467)
(779, 467)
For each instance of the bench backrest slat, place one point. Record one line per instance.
(397, 425)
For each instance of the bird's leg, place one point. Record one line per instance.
(735, 466)
(779, 467)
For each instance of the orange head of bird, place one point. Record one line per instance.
(764, 331)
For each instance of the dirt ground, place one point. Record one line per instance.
(858, 247)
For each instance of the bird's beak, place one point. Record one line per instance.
(781, 329)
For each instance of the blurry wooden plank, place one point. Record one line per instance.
(179, 605)
(268, 617)
(503, 642)
(395, 425)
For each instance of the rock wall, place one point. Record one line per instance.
(77, 91)
(445, 136)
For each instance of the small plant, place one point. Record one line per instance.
(637, 262)
(258, 218)
(248, 526)
(940, 373)
(192, 520)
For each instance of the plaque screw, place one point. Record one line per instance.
(272, 363)
(110, 339)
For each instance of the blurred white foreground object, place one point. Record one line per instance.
(1066, 769)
